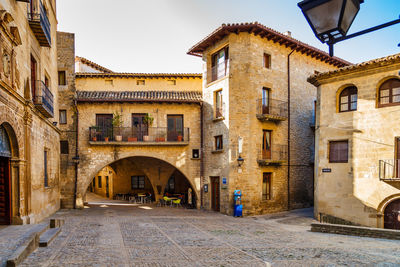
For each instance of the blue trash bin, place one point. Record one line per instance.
(237, 204)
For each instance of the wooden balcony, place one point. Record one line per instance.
(276, 155)
(43, 99)
(39, 23)
(272, 110)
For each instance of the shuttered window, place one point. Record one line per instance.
(338, 151)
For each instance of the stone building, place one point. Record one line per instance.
(144, 128)
(29, 138)
(254, 85)
(358, 145)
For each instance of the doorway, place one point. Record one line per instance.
(397, 157)
(266, 144)
(265, 100)
(215, 194)
(392, 215)
(104, 124)
(139, 126)
(5, 191)
(175, 127)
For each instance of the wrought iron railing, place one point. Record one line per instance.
(43, 98)
(136, 134)
(272, 107)
(276, 153)
(389, 169)
(219, 71)
(38, 14)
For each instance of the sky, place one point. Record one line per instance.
(151, 36)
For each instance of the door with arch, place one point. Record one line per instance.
(5, 178)
(392, 215)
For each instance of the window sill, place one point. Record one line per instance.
(218, 119)
(195, 158)
(217, 151)
(216, 81)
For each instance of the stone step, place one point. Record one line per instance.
(48, 236)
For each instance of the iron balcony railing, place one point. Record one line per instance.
(219, 71)
(273, 155)
(43, 99)
(389, 170)
(39, 22)
(136, 134)
(272, 107)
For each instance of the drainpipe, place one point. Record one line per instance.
(76, 158)
(201, 154)
(288, 169)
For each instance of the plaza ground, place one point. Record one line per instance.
(113, 234)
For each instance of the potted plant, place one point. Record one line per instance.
(180, 137)
(117, 124)
(93, 132)
(108, 133)
(147, 120)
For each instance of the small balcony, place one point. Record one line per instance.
(43, 99)
(389, 170)
(219, 71)
(39, 23)
(276, 155)
(272, 110)
(134, 136)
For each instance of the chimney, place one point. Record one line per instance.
(288, 33)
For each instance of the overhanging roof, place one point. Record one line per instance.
(136, 75)
(268, 33)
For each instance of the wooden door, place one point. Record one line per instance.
(397, 157)
(392, 215)
(265, 101)
(139, 128)
(215, 193)
(107, 187)
(33, 77)
(5, 191)
(175, 127)
(104, 124)
(266, 144)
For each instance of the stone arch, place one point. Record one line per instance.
(13, 140)
(108, 159)
(382, 206)
(15, 132)
(339, 91)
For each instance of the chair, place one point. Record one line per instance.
(132, 199)
(161, 202)
(167, 199)
(177, 202)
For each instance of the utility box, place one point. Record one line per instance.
(237, 204)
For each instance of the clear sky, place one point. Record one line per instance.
(154, 35)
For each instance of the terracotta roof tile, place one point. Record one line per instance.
(270, 34)
(378, 62)
(139, 96)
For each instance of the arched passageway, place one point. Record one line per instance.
(392, 215)
(139, 175)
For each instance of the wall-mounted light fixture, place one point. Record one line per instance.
(240, 161)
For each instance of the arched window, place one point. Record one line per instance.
(389, 93)
(348, 99)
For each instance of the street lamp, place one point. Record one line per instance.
(330, 20)
(240, 161)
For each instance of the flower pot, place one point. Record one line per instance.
(161, 139)
(106, 139)
(118, 138)
(146, 138)
(180, 137)
(132, 139)
(94, 138)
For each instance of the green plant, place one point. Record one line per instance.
(148, 119)
(117, 122)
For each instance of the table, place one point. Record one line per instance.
(141, 196)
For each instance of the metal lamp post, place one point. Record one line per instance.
(330, 20)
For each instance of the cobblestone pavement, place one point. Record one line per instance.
(149, 236)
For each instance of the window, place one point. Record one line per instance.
(140, 82)
(137, 182)
(62, 78)
(219, 64)
(389, 93)
(265, 100)
(348, 99)
(99, 181)
(170, 187)
(218, 104)
(266, 186)
(171, 82)
(63, 116)
(266, 144)
(46, 81)
(64, 147)
(267, 61)
(46, 174)
(195, 153)
(338, 151)
(218, 142)
(109, 82)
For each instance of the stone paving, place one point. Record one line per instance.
(103, 235)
